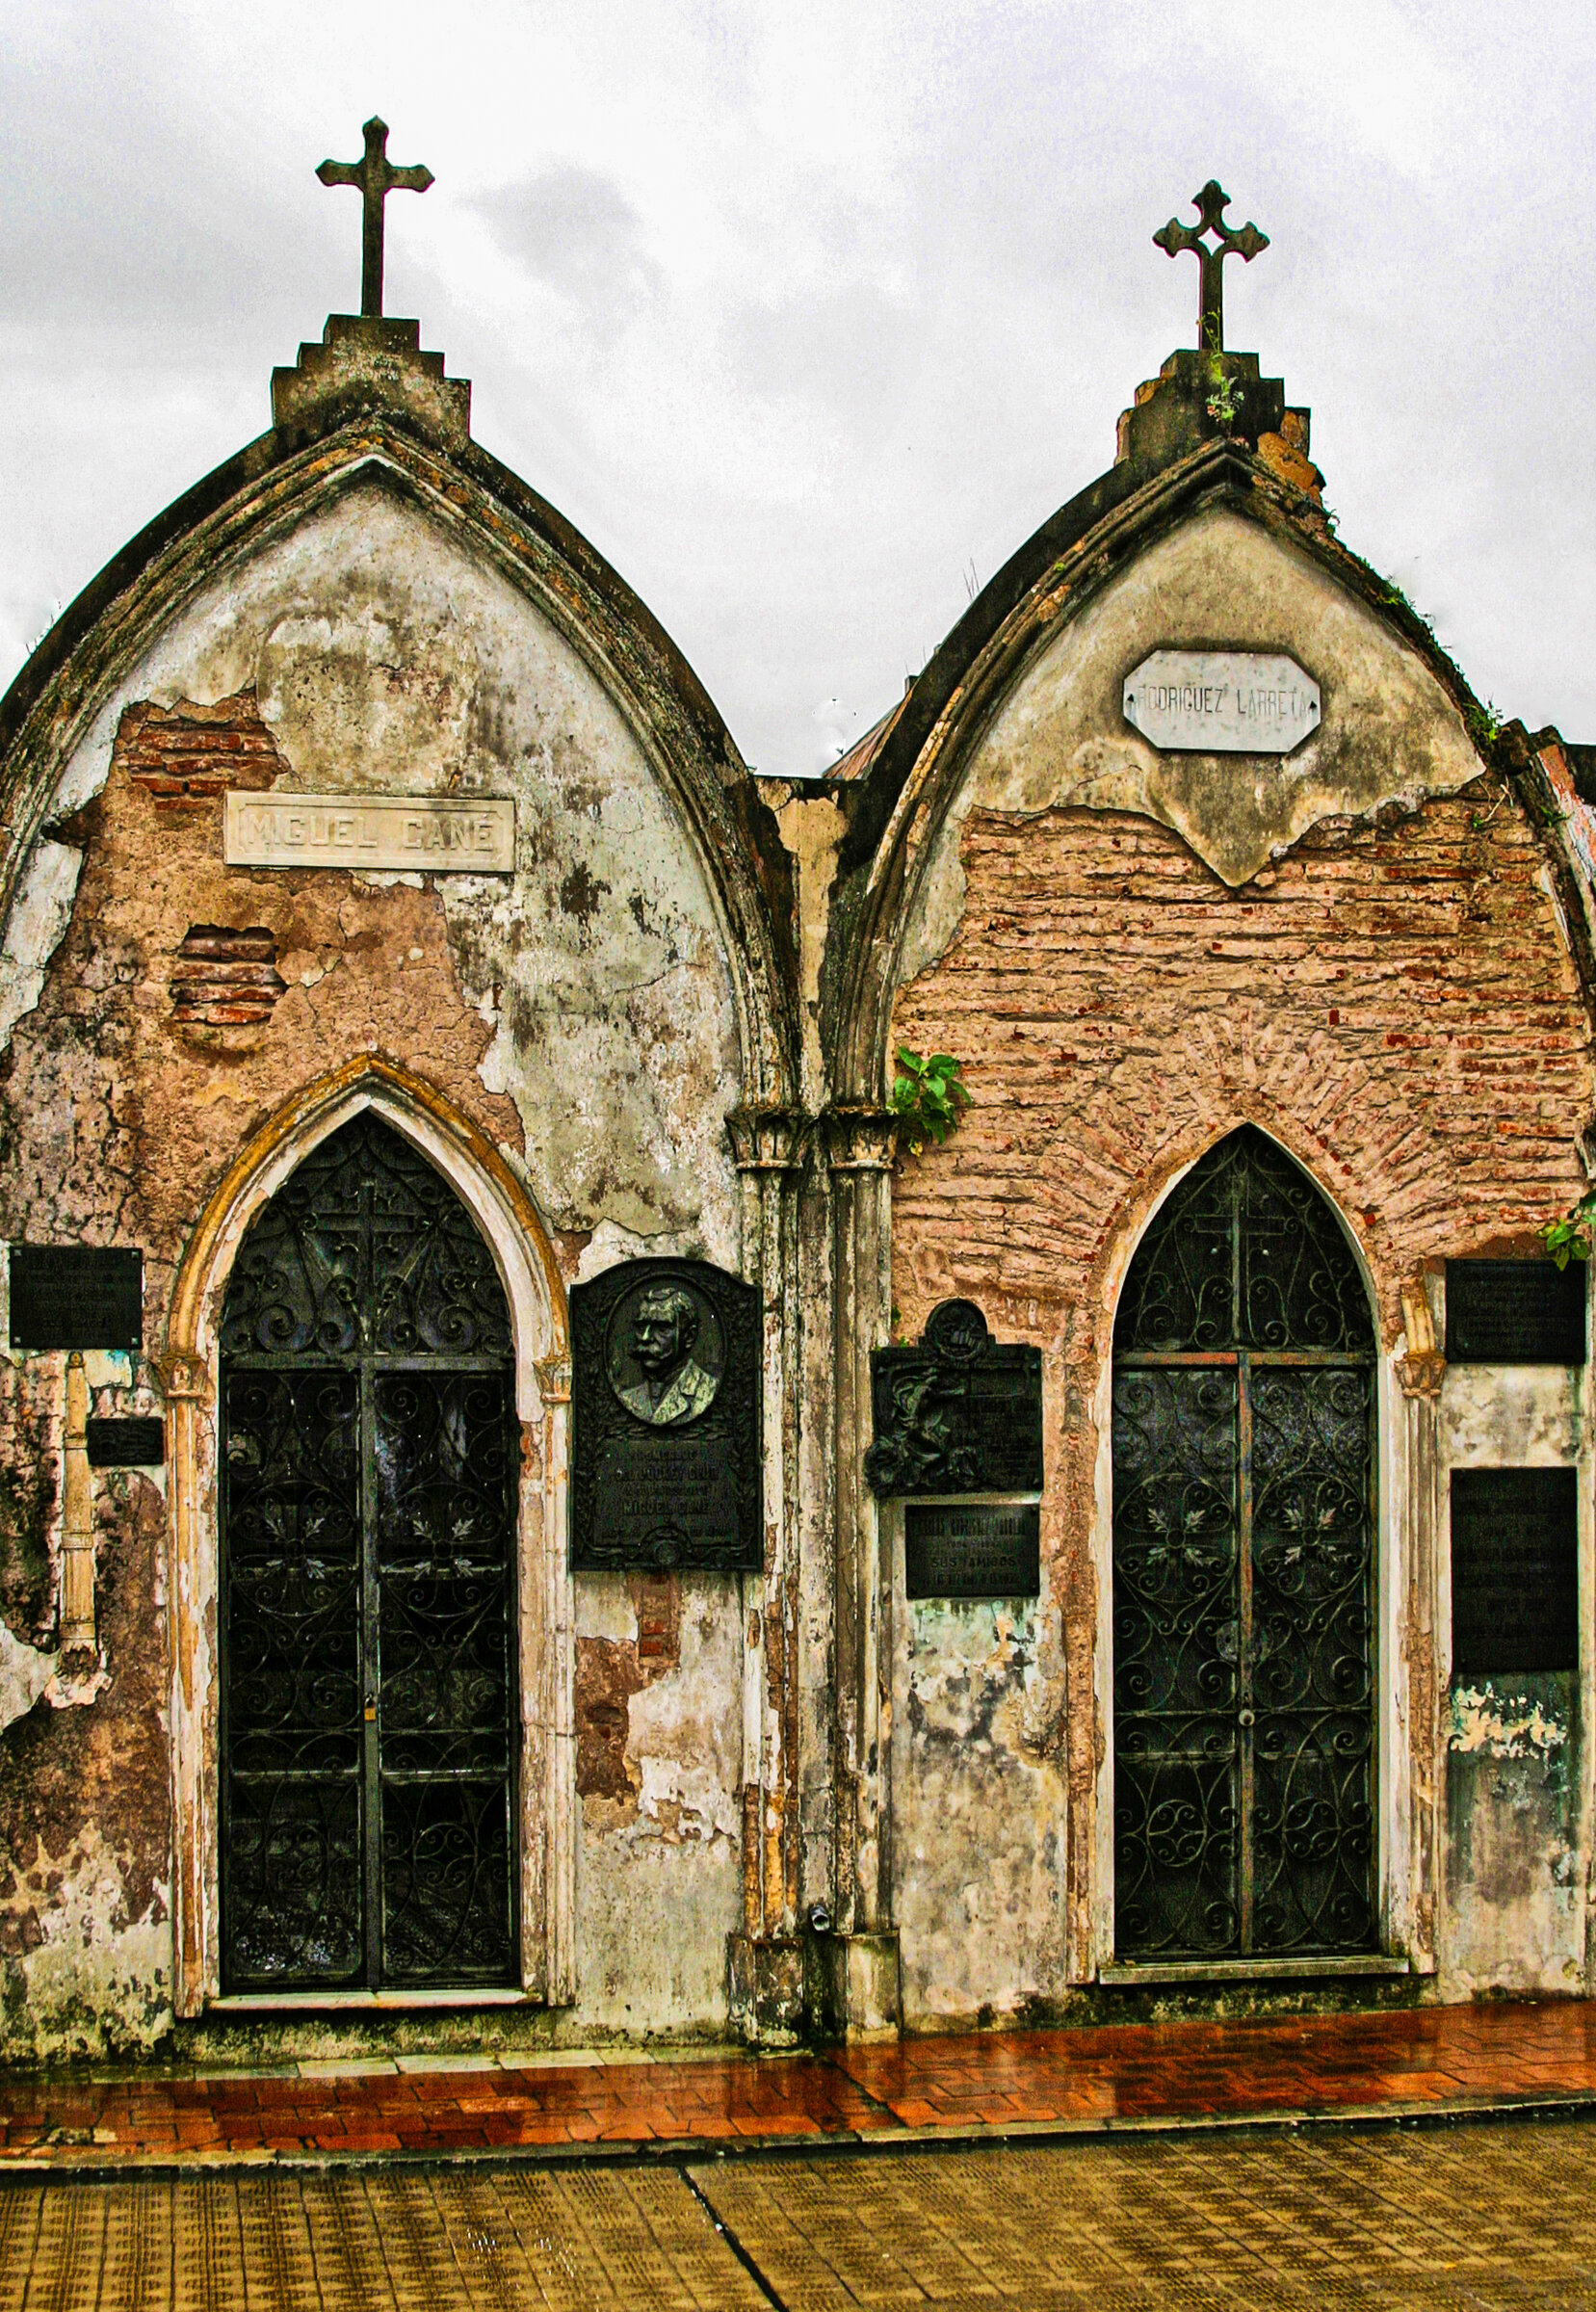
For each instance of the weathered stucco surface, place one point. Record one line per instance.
(1388, 733)
(979, 1807)
(1515, 1916)
(1516, 1885)
(580, 1014)
(659, 1769)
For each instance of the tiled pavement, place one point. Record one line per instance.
(1431, 2060)
(1463, 2219)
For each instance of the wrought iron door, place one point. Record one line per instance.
(370, 1450)
(1244, 1481)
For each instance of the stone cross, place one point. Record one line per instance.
(376, 180)
(1211, 205)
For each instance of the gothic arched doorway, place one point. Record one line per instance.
(1244, 1420)
(367, 1628)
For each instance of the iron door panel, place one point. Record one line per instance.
(1177, 1795)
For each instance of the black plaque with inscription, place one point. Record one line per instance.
(665, 1453)
(136, 1442)
(76, 1296)
(959, 1413)
(1515, 1312)
(972, 1549)
(1515, 1580)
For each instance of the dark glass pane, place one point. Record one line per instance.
(446, 1907)
(448, 1458)
(1313, 1833)
(291, 1882)
(1244, 1254)
(365, 1242)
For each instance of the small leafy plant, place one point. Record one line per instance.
(928, 1095)
(1574, 1236)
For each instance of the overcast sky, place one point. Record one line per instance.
(808, 314)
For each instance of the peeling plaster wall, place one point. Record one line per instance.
(1517, 1748)
(1357, 948)
(659, 1764)
(580, 1013)
(980, 1805)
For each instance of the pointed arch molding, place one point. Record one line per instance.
(524, 1255)
(260, 497)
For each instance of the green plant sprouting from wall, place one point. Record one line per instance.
(1573, 1237)
(928, 1095)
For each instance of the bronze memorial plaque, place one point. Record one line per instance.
(958, 1413)
(76, 1296)
(666, 1468)
(1515, 1603)
(135, 1442)
(1515, 1312)
(972, 1549)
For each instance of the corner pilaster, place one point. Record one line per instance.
(764, 1971)
(858, 1986)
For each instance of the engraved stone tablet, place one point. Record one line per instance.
(972, 1549)
(1221, 702)
(138, 1442)
(76, 1296)
(957, 1414)
(665, 1467)
(445, 834)
(1514, 1592)
(1515, 1312)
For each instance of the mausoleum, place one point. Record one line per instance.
(540, 1502)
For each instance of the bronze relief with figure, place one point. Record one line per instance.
(665, 1419)
(666, 1353)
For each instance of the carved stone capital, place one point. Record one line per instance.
(182, 1376)
(860, 1139)
(1422, 1374)
(770, 1140)
(554, 1378)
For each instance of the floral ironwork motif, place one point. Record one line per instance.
(370, 1460)
(1243, 1433)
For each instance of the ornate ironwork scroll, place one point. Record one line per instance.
(368, 1664)
(957, 1414)
(1243, 1470)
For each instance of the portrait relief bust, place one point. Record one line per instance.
(665, 1354)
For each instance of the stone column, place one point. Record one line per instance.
(1419, 1375)
(857, 1961)
(766, 1958)
(191, 1606)
(548, 1683)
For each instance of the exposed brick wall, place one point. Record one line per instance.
(190, 753)
(1398, 1005)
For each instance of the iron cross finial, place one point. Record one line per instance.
(1211, 205)
(376, 180)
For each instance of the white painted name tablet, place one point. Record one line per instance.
(1222, 703)
(444, 834)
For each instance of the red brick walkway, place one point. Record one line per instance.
(1430, 2059)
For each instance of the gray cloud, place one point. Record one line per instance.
(798, 313)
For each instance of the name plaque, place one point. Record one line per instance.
(76, 1296)
(959, 1412)
(138, 1441)
(1221, 702)
(665, 1460)
(972, 1549)
(1515, 1586)
(1515, 1312)
(444, 834)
